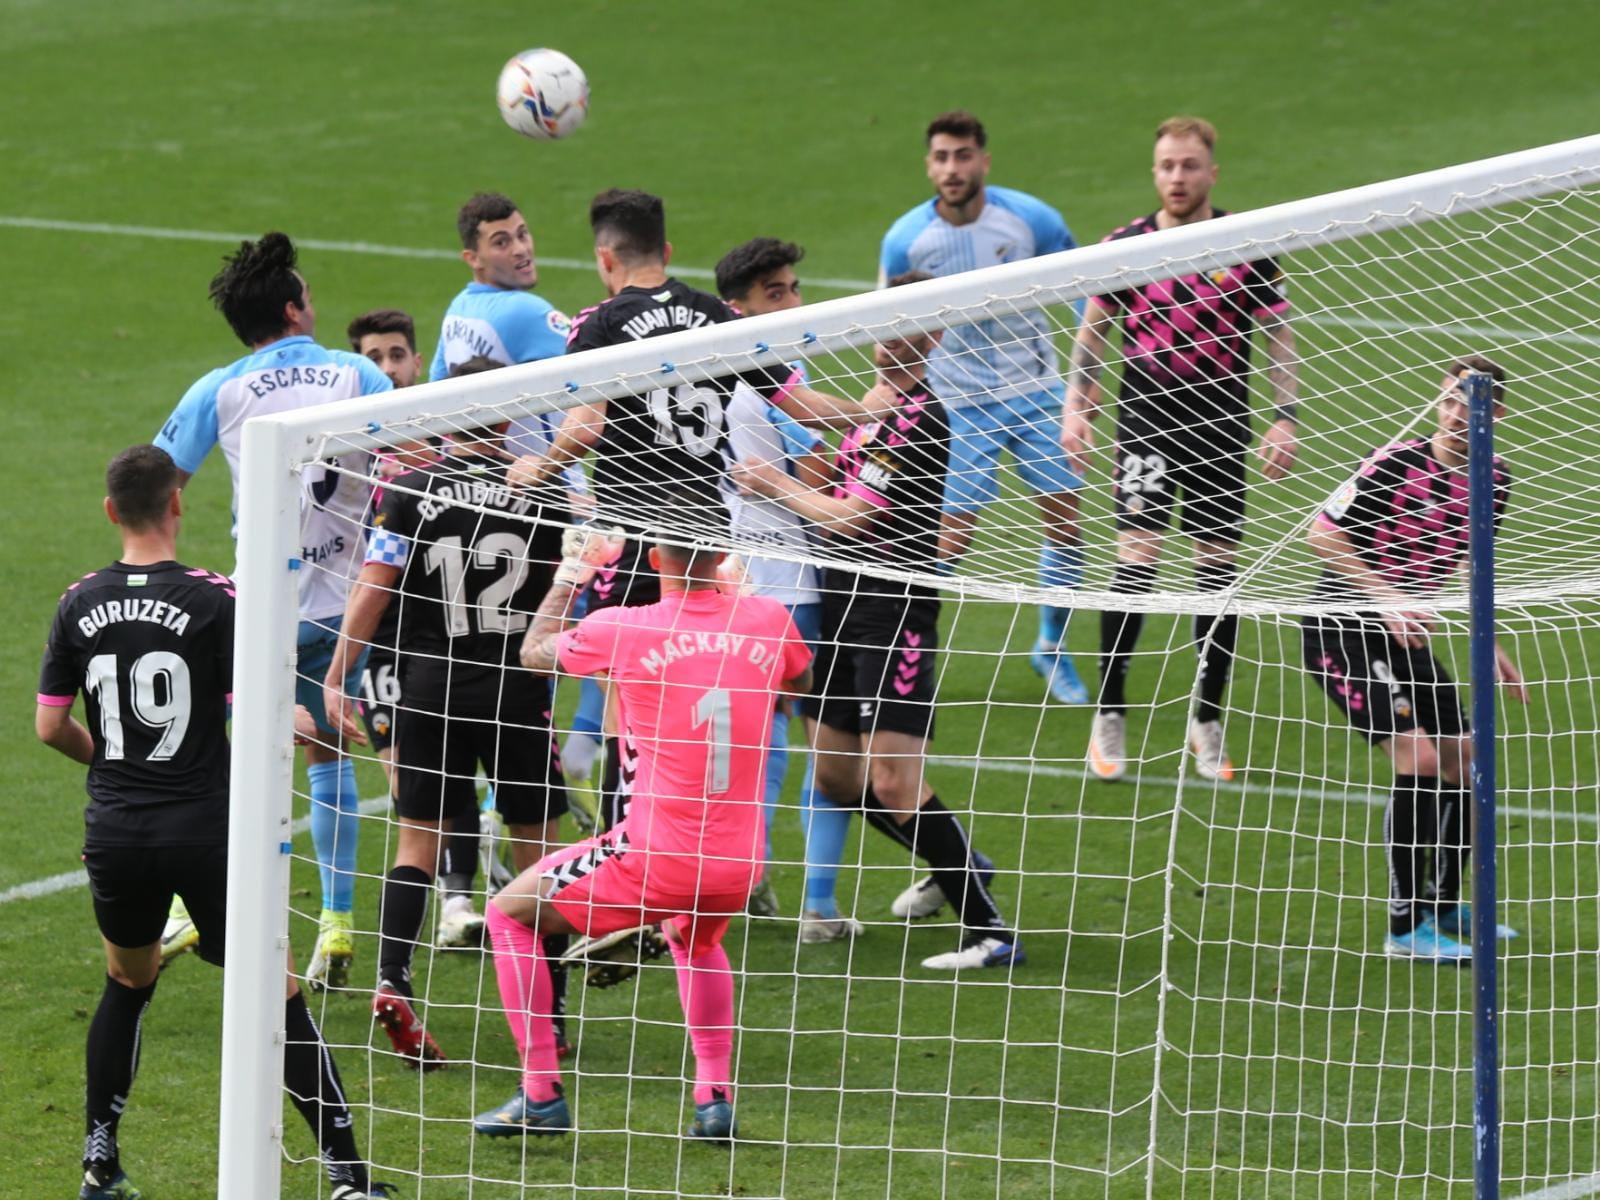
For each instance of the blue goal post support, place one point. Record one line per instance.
(1485, 966)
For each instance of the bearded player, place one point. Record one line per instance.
(997, 377)
(1183, 426)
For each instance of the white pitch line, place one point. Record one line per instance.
(1572, 1189)
(1495, 333)
(337, 247)
(1195, 784)
(68, 880)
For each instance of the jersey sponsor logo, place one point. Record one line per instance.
(262, 383)
(157, 612)
(874, 475)
(323, 552)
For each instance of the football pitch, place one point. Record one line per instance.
(1293, 1059)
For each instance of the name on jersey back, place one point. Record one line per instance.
(158, 612)
(668, 316)
(480, 493)
(261, 383)
(677, 646)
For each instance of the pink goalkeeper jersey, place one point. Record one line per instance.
(696, 676)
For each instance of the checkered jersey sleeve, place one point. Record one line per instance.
(395, 525)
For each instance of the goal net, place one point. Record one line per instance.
(1209, 1005)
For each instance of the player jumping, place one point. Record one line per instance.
(268, 304)
(464, 559)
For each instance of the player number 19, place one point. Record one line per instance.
(155, 675)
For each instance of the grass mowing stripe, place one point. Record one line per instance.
(68, 880)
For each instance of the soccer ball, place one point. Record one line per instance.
(543, 94)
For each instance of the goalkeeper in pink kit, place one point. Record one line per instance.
(697, 676)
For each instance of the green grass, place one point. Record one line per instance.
(1291, 1058)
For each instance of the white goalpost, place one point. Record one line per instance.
(1208, 1009)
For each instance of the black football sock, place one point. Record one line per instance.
(554, 946)
(1119, 633)
(459, 854)
(1402, 830)
(883, 819)
(612, 806)
(940, 840)
(405, 905)
(1454, 843)
(1216, 660)
(113, 1060)
(313, 1084)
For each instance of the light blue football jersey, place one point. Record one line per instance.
(509, 326)
(283, 376)
(1001, 357)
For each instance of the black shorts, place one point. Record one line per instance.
(629, 582)
(874, 668)
(133, 886)
(437, 759)
(1382, 687)
(380, 696)
(1156, 459)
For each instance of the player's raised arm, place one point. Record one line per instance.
(1280, 444)
(583, 552)
(580, 429)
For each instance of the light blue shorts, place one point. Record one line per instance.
(314, 655)
(1029, 427)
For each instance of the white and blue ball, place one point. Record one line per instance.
(543, 94)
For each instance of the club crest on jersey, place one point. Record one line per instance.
(1341, 503)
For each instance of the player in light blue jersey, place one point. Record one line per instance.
(998, 377)
(268, 304)
(497, 315)
(759, 277)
